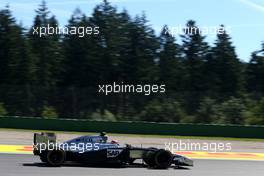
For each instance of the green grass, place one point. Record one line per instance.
(142, 135)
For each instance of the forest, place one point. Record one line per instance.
(57, 76)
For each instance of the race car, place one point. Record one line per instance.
(96, 149)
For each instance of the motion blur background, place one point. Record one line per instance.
(57, 76)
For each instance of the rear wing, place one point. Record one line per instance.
(42, 138)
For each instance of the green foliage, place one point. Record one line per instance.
(3, 111)
(65, 70)
(49, 112)
(255, 72)
(223, 69)
(171, 67)
(166, 111)
(194, 50)
(231, 111)
(207, 111)
(256, 115)
(188, 119)
(105, 115)
(226, 66)
(47, 54)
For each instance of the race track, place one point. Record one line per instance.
(29, 165)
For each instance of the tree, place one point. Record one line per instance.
(82, 68)
(255, 72)
(224, 68)
(49, 112)
(231, 111)
(3, 111)
(256, 116)
(16, 66)
(46, 48)
(195, 50)
(47, 52)
(127, 54)
(7, 22)
(171, 64)
(162, 111)
(58, 75)
(207, 111)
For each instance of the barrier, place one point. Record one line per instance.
(81, 125)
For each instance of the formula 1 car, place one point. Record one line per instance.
(97, 150)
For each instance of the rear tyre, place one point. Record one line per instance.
(55, 158)
(148, 158)
(43, 158)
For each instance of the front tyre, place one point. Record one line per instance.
(163, 159)
(159, 159)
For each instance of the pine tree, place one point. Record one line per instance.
(82, 67)
(47, 52)
(7, 27)
(225, 67)
(195, 50)
(17, 66)
(171, 65)
(142, 59)
(127, 51)
(255, 72)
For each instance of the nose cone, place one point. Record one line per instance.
(182, 161)
(188, 161)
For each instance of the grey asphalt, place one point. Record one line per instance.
(29, 165)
